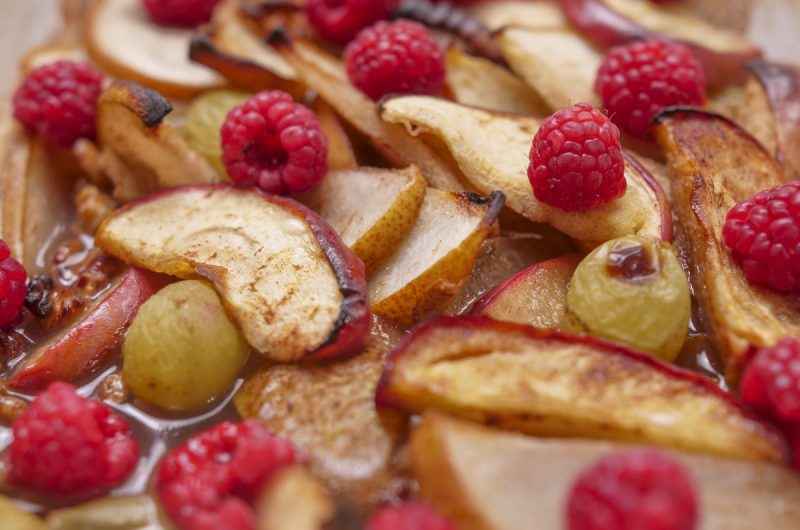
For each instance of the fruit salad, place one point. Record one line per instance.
(401, 265)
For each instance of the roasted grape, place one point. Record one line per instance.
(632, 291)
(182, 350)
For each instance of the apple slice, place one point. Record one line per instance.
(536, 296)
(425, 273)
(558, 63)
(552, 384)
(493, 149)
(715, 164)
(152, 55)
(499, 14)
(734, 15)
(15, 518)
(140, 153)
(611, 22)
(328, 412)
(325, 74)
(294, 500)
(84, 346)
(483, 83)
(485, 479)
(284, 275)
(372, 229)
(341, 154)
(140, 512)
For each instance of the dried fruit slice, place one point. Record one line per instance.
(438, 254)
(284, 275)
(499, 14)
(552, 384)
(715, 164)
(157, 58)
(328, 412)
(493, 149)
(373, 228)
(523, 479)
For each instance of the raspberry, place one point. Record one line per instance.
(576, 160)
(274, 143)
(409, 516)
(398, 57)
(59, 101)
(639, 80)
(763, 234)
(210, 481)
(771, 381)
(180, 13)
(340, 21)
(13, 289)
(68, 445)
(642, 489)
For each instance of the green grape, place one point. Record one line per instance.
(182, 350)
(634, 292)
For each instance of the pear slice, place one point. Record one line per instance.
(716, 164)
(485, 479)
(325, 74)
(425, 273)
(140, 512)
(552, 384)
(493, 149)
(558, 63)
(372, 229)
(284, 275)
(483, 83)
(294, 500)
(14, 518)
(140, 153)
(123, 42)
(499, 14)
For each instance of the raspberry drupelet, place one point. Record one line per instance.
(340, 21)
(13, 288)
(211, 481)
(65, 444)
(274, 143)
(641, 489)
(399, 57)
(637, 81)
(59, 101)
(771, 381)
(412, 515)
(763, 235)
(576, 160)
(180, 13)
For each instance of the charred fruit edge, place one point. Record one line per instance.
(150, 106)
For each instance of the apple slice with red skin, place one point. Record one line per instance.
(723, 62)
(536, 296)
(84, 346)
(548, 383)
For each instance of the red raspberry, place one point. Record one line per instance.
(771, 381)
(180, 13)
(13, 289)
(69, 445)
(409, 516)
(642, 489)
(638, 80)
(576, 160)
(763, 234)
(274, 143)
(398, 57)
(59, 101)
(210, 481)
(340, 21)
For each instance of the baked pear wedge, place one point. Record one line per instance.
(714, 164)
(547, 383)
(486, 479)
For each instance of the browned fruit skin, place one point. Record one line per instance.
(714, 165)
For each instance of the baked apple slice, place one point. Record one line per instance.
(552, 384)
(373, 228)
(123, 42)
(294, 500)
(139, 512)
(84, 346)
(139, 152)
(536, 296)
(328, 412)
(426, 271)
(284, 275)
(325, 74)
(499, 14)
(485, 479)
(714, 165)
(492, 150)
